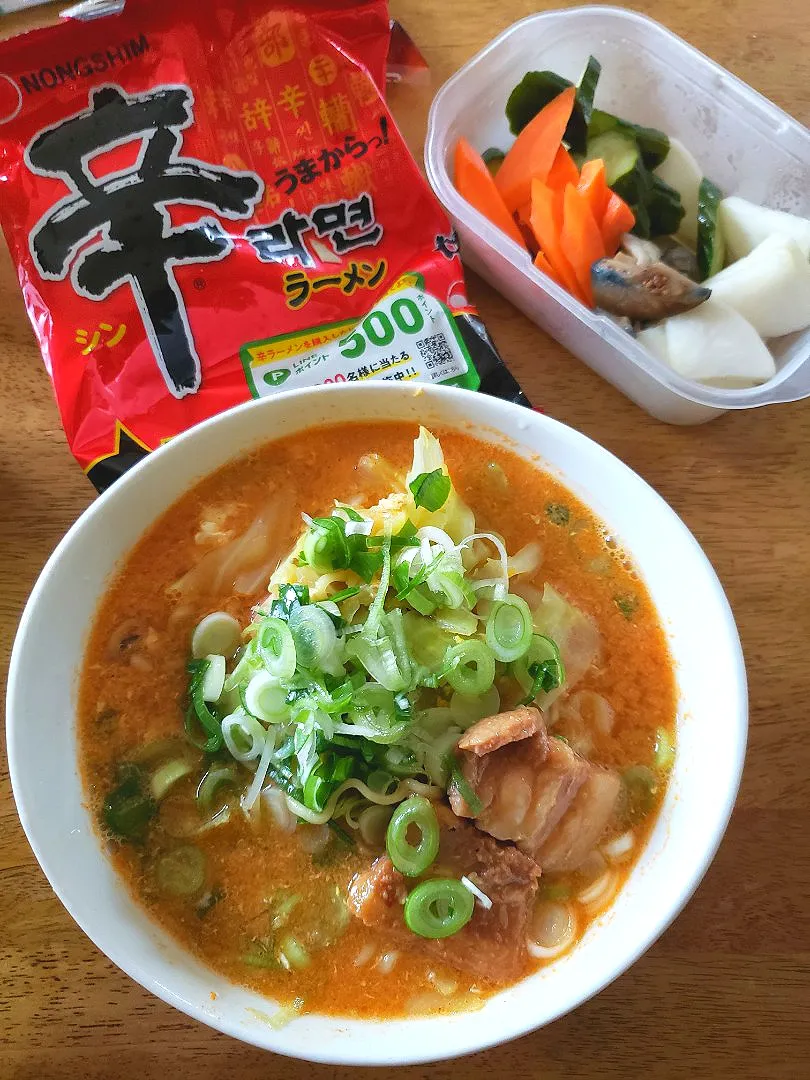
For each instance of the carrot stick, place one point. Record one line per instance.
(563, 170)
(475, 184)
(618, 220)
(534, 150)
(546, 222)
(593, 185)
(542, 264)
(580, 238)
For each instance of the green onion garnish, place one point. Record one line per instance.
(509, 628)
(473, 669)
(438, 908)
(540, 670)
(345, 594)
(430, 490)
(558, 514)
(413, 859)
(129, 807)
(459, 781)
(208, 720)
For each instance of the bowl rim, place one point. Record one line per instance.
(500, 412)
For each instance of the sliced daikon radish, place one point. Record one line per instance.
(715, 343)
(654, 340)
(770, 287)
(745, 225)
(680, 170)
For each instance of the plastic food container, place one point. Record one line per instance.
(745, 143)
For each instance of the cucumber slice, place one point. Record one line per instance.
(710, 246)
(601, 122)
(642, 226)
(534, 91)
(619, 153)
(537, 88)
(652, 144)
(493, 158)
(586, 91)
(664, 207)
(682, 172)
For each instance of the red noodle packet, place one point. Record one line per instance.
(208, 200)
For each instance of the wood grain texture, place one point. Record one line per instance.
(725, 991)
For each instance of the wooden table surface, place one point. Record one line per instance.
(725, 992)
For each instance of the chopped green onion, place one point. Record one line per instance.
(431, 490)
(276, 647)
(290, 597)
(455, 621)
(282, 905)
(293, 954)
(558, 514)
(450, 585)
(181, 872)
(400, 761)
(408, 858)
(473, 670)
(217, 776)
(406, 537)
(345, 594)
(213, 681)
(380, 661)
(316, 640)
(376, 609)
(248, 664)
(218, 632)
(243, 735)
(366, 564)
(664, 750)
(283, 778)
(382, 781)
(339, 699)
(209, 722)
(266, 699)
(128, 808)
(627, 605)
(509, 628)
(167, 776)
(427, 642)
(325, 544)
(341, 834)
(420, 577)
(467, 710)
(260, 954)
(640, 792)
(540, 670)
(438, 908)
(459, 781)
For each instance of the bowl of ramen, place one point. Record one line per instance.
(376, 741)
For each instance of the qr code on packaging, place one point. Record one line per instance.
(435, 351)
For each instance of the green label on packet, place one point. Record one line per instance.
(409, 335)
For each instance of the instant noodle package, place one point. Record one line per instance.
(208, 202)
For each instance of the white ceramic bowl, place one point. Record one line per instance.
(712, 724)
